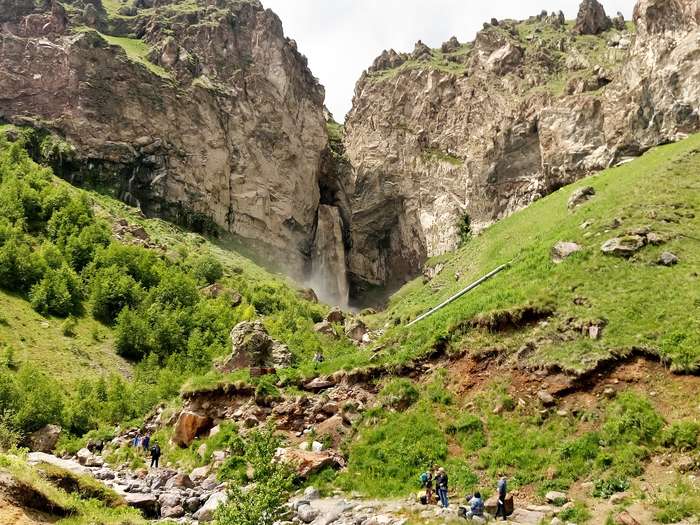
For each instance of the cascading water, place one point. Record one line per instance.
(329, 276)
(129, 195)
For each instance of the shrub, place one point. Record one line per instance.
(681, 435)
(39, 402)
(112, 290)
(631, 419)
(207, 269)
(578, 513)
(69, 326)
(59, 293)
(80, 249)
(144, 266)
(398, 394)
(469, 431)
(175, 290)
(132, 334)
(604, 488)
(10, 437)
(20, 268)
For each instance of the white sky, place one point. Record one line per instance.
(341, 38)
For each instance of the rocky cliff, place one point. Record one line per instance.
(444, 139)
(196, 110)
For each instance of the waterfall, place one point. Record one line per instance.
(329, 275)
(129, 195)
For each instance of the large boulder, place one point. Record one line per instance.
(563, 249)
(252, 347)
(492, 503)
(44, 439)
(580, 196)
(355, 329)
(206, 513)
(307, 462)
(146, 503)
(623, 246)
(189, 425)
(591, 19)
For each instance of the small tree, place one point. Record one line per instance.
(464, 228)
(59, 293)
(207, 269)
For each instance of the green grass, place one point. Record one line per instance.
(643, 304)
(678, 502)
(34, 338)
(137, 50)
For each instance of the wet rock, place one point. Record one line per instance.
(580, 196)
(668, 259)
(44, 439)
(563, 249)
(591, 19)
(623, 246)
(189, 425)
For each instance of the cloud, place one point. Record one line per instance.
(341, 38)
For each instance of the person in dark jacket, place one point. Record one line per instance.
(441, 484)
(502, 492)
(145, 442)
(155, 455)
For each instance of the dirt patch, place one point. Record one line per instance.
(513, 319)
(11, 514)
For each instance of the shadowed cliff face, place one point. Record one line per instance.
(485, 128)
(198, 111)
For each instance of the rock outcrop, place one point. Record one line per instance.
(486, 130)
(253, 347)
(206, 115)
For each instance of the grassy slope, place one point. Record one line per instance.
(643, 304)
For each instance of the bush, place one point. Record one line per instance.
(132, 334)
(175, 290)
(69, 326)
(59, 293)
(20, 267)
(398, 394)
(677, 503)
(469, 431)
(144, 266)
(207, 269)
(112, 290)
(604, 488)
(80, 249)
(39, 400)
(681, 435)
(632, 419)
(578, 513)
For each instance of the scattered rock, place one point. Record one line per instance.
(625, 518)
(335, 316)
(580, 196)
(206, 513)
(558, 498)
(623, 246)
(44, 439)
(146, 503)
(355, 329)
(307, 513)
(324, 327)
(307, 463)
(189, 425)
(562, 250)
(668, 259)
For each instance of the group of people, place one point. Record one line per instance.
(144, 442)
(435, 481)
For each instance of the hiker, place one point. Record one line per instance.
(145, 442)
(155, 455)
(476, 507)
(99, 446)
(427, 482)
(135, 441)
(441, 484)
(318, 358)
(501, 505)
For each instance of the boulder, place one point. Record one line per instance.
(527, 517)
(308, 462)
(192, 504)
(189, 425)
(307, 514)
(558, 498)
(146, 503)
(452, 45)
(562, 250)
(580, 196)
(623, 246)
(44, 439)
(175, 512)
(181, 481)
(34, 458)
(206, 513)
(88, 459)
(546, 398)
(421, 51)
(619, 22)
(199, 474)
(325, 328)
(491, 504)
(252, 347)
(668, 259)
(625, 518)
(355, 329)
(319, 383)
(311, 493)
(591, 19)
(335, 316)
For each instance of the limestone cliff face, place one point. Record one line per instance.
(480, 130)
(195, 110)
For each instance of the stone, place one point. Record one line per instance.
(88, 459)
(562, 250)
(668, 259)
(491, 504)
(311, 493)
(172, 512)
(199, 474)
(355, 329)
(609, 392)
(580, 196)
(625, 518)
(591, 19)
(558, 498)
(324, 327)
(421, 52)
(307, 513)
(308, 462)
(189, 426)
(44, 439)
(546, 398)
(335, 316)
(192, 504)
(146, 503)
(526, 517)
(181, 481)
(556, 521)
(453, 44)
(623, 246)
(618, 498)
(206, 513)
(252, 347)
(319, 384)
(686, 464)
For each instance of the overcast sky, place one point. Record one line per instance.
(341, 38)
